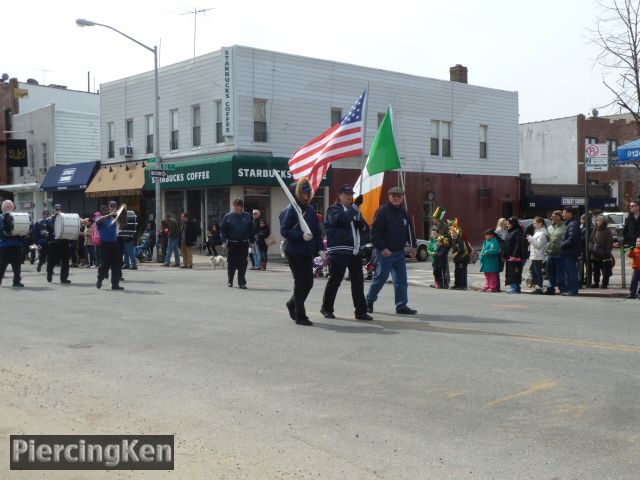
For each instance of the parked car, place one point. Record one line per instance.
(615, 223)
(422, 253)
(525, 222)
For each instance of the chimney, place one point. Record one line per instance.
(458, 73)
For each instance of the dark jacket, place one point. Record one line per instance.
(439, 257)
(459, 250)
(570, 245)
(631, 230)
(5, 239)
(40, 233)
(392, 228)
(516, 245)
(261, 234)
(190, 229)
(237, 227)
(340, 239)
(174, 229)
(601, 243)
(292, 233)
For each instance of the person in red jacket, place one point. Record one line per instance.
(634, 255)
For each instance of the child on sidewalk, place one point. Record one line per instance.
(440, 259)
(490, 261)
(634, 255)
(460, 259)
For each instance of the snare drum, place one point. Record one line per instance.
(67, 226)
(21, 224)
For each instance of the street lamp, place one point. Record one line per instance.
(81, 22)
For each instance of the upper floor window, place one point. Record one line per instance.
(149, 129)
(440, 138)
(111, 144)
(591, 140)
(336, 115)
(612, 146)
(195, 125)
(219, 136)
(483, 141)
(260, 121)
(380, 118)
(175, 130)
(45, 156)
(128, 128)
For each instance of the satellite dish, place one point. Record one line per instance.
(32, 81)
(5, 77)
(594, 113)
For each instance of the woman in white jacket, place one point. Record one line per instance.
(537, 246)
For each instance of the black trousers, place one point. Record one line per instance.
(237, 260)
(336, 274)
(603, 266)
(111, 259)
(42, 254)
(302, 269)
(460, 275)
(11, 256)
(59, 251)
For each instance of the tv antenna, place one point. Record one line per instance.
(44, 74)
(195, 13)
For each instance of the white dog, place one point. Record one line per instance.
(218, 261)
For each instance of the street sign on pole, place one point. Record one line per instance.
(596, 157)
(168, 166)
(158, 173)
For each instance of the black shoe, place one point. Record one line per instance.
(17, 285)
(631, 296)
(242, 287)
(369, 307)
(406, 311)
(304, 322)
(99, 283)
(364, 316)
(49, 277)
(117, 287)
(125, 267)
(230, 284)
(595, 285)
(292, 310)
(327, 314)
(39, 268)
(66, 281)
(549, 291)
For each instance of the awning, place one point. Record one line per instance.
(117, 180)
(251, 170)
(75, 176)
(19, 187)
(628, 154)
(558, 202)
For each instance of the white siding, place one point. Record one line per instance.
(74, 100)
(77, 137)
(549, 149)
(39, 125)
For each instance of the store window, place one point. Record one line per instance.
(217, 205)
(174, 203)
(258, 198)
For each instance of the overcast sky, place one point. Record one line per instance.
(539, 49)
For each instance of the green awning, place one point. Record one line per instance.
(223, 170)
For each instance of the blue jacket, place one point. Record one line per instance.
(571, 245)
(292, 233)
(340, 239)
(237, 227)
(6, 240)
(392, 228)
(40, 233)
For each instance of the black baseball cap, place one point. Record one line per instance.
(346, 188)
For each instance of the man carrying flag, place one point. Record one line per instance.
(344, 139)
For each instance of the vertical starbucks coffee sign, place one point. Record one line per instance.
(227, 97)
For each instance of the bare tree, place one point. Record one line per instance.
(617, 34)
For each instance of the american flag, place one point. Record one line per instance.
(344, 139)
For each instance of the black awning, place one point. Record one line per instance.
(75, 176)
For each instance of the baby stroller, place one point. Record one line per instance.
(321, 265)
(142, 247)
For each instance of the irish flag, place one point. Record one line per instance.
(383, 157)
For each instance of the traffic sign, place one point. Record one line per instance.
(168, 166)
(158, 173)
(596, 157)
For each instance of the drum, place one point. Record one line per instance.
(21, 223)
(67, 226)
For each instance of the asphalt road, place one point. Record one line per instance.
(477, 386)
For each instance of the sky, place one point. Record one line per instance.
(539, 49)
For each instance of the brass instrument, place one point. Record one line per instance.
(120, 217)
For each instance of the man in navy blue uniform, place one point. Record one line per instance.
(344, 226)
(390, 232)
(41, 238)
(300, 249)
(10, 246)
(110, 250)
(237, 235)
(59, 251)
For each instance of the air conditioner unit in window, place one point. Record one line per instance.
(43, 169)
(126, 151)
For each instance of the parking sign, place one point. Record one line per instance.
(596, 157)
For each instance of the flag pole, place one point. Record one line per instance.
(364, 133)
(401, 174)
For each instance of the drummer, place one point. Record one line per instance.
(59, 250)
(10, 247)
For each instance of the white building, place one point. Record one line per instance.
(458, 142)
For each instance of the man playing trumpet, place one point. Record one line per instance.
(110, 251)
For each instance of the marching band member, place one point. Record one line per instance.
(59, 251)
(41, 238)
(300, 249)
(10, 246)
(109, 248)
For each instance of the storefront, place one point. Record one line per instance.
(543, 199)
(66, 184)
(206, 187)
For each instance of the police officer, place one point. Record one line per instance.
(59, 250)
(10, 246)
(110, 250)
(237, 235)
(344, 227)
(41, 238)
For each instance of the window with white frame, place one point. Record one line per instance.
(336, 115)
(149, 129)
(128, 128)
(440, 138)
(612, 146)
(175, 130)
(45, 155)
(483, 141)
(260, 121)
(111, 144)
(195, 125)
(219, 136)
(590, 141)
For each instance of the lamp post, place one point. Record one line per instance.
(81, 22)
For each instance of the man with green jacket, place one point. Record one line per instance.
(555, 269)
